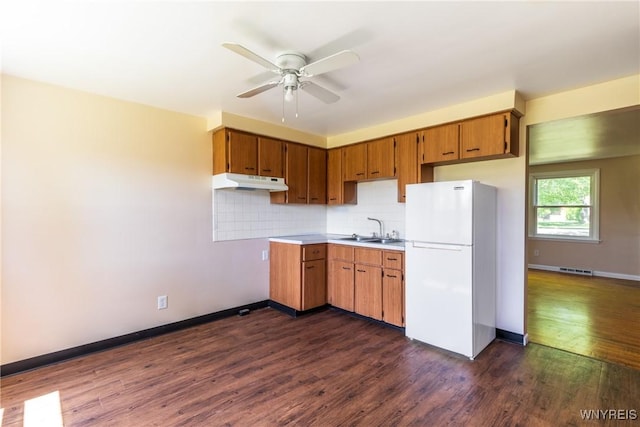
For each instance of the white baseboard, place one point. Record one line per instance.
(595, 273)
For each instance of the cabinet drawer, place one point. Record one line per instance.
(311, 252)
(341, 252)
(368, 256)
(392, 259)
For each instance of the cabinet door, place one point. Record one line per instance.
(484, 136)
(368, 291)
(317, 176)
(243, 153)
(393, 297)
(296, 173)
(340, 284)
(354, 162)
(284, 274)
(314, 285)
(407, 162)
(334, 176)
(440, 143)
(381, 159)
(338, 191)
(270, 157)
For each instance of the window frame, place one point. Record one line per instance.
(594, 206)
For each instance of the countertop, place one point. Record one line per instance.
(309, 239)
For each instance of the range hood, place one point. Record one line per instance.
(238, 181)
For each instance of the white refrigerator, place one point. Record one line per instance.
(451, 265)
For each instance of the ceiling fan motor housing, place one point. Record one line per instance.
(291, 61)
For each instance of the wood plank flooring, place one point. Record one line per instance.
(593, 316)
(324, 369)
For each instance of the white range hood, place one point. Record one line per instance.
(236, 181)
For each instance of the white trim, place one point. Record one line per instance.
(595, 273)
(594, 220)
(525, 339)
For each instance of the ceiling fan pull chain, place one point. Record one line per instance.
(297, 102)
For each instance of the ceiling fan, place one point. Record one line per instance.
(294, 72)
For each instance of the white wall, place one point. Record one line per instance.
(509, 177)
(106, 205)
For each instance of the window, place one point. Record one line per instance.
(564, 205)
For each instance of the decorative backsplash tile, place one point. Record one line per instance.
(243, 214)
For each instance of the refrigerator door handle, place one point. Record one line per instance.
(436, 246)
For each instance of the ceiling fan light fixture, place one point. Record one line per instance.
(290, 83)
(288, 94)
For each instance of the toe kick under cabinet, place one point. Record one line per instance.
(297, 275)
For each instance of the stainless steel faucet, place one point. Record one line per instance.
(380, 224)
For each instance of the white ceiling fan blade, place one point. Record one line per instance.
(330, 63)
(319, 92)
(241, 50)
(256, 90)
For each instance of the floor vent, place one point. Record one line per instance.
(576, 271)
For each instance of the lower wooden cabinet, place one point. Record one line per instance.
(340, 284)
(367, 281)
(368, 291)
(297, 275)
(393, 297)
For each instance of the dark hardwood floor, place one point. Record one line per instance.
(593, 316)
(324, 369)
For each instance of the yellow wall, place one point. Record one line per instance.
(499, 102)
(105, 206)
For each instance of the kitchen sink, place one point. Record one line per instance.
(385, 241)
(356, 238)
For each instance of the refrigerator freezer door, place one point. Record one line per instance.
(440, 212)
(439, 296)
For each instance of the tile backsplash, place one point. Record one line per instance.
(240, 214)
(376, 199)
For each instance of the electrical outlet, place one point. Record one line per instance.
(265, 255)
(536, 252)
(163, 302)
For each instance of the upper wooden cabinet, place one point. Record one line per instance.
(235, 151)
(440, 143)
(305, 174)
(339, 192)
(317, 176)
(270, 157)
(406, 162)
(354, 162)
(369, 160)
(380, 159)
(493, 135)
(488, 137)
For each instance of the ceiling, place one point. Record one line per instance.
(414, 56)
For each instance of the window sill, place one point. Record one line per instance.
(565, 239)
